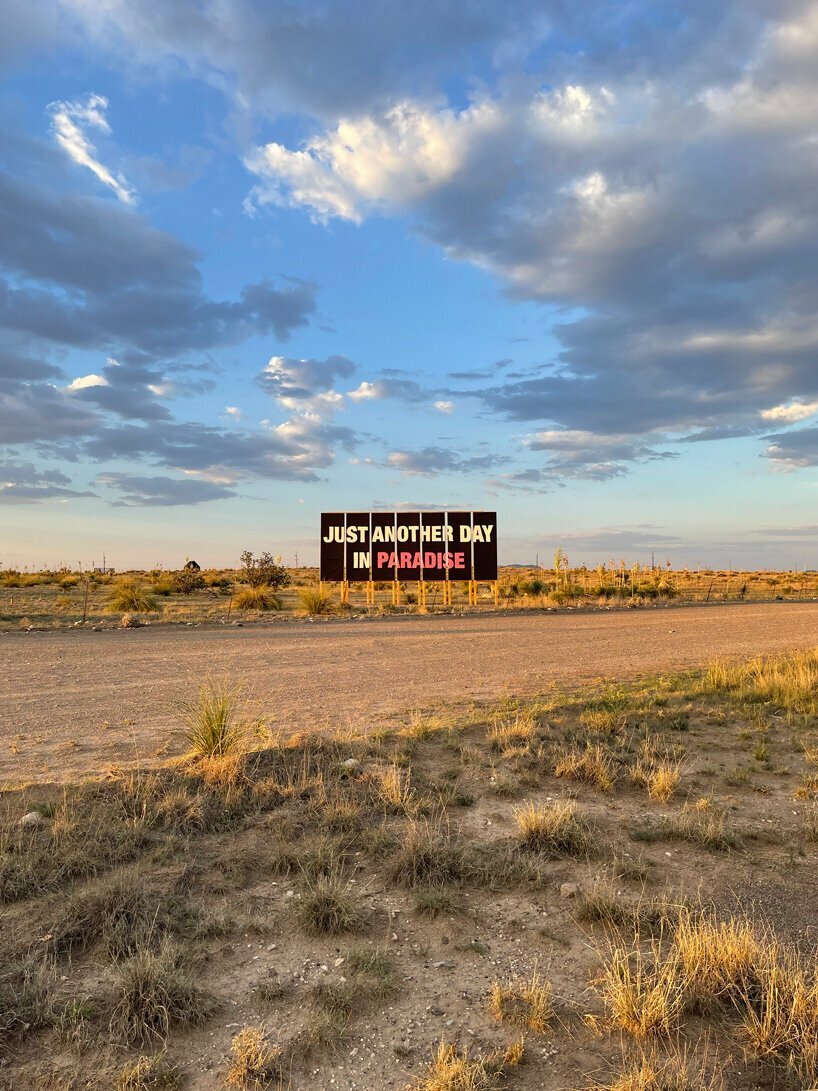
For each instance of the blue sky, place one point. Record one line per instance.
(259, 260)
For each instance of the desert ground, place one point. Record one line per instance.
(570, 852)
(80, 702)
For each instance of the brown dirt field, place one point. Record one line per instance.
(72, 703)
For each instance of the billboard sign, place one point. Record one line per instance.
(408, 545)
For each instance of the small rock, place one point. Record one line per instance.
(352, 764)
(33, 818)
(569, 890)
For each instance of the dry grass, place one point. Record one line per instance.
(703, 823)
(257, 598)
(717, 957)
(130, 596)
(453, 1069)
(511, 732)
(644, 993)
(590, 766)
(393, 791)
(673, 1069)
(149, 1073)
(789, 681)
(212, 727)
(554, 829)
(428, 857)
(154, 993)
(327, 906)
(315, 603)
(523, 1002)
(659, 775)
(254, 1061)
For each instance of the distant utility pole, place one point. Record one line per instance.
(652, 561)
(296, 560)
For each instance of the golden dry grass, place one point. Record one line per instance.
(254, 1060)
(523, 1001)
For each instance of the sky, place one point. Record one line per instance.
(262, 259)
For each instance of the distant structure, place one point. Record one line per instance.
(192, 566)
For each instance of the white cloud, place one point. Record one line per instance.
(790, 413)
(86, 381)
(69, 120)
(444, 407)
(233, 411)
(391, 161)
(365, 392)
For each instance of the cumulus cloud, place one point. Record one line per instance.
(670, 218)
(69, 122)
(444, 407)
(305, 385)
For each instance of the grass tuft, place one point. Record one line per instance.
(257, 598)
(211, 726)
(555, 829)
(523, 1002)
(254, 1061)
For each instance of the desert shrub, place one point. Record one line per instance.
(212, 727)
(256, 598)
(128, 595)
(188, 580)
(315, 602)
(263, 571)
(163, 586)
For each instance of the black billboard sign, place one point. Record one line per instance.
(418, 545)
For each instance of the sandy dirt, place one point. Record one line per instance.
(73, 703)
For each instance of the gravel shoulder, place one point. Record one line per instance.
(78, 703)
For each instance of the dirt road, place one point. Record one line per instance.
(79, 702)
